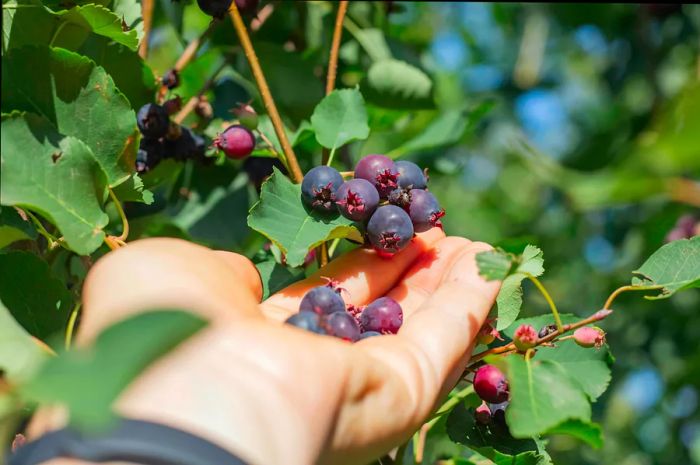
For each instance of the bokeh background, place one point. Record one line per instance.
(572, 127)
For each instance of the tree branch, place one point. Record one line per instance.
(147, 16)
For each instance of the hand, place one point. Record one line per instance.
(272, 393)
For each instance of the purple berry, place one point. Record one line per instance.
(490, 384)
(380, 171)
(149, 154)
(367, 334)
(322, 300)
(389, 229)
(319, 187)
(384, 315)
(411, 176)
(152, 120)
(306, 320)
(171, 79)
(343, 325)
(424, 210)
(357, 199)
(215, 8)
(247, 7)
(236, 141)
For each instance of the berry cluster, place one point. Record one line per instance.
(218, 8)
(163, 139)
(389, 198)
(323, 311)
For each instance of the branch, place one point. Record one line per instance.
(120, 210)
(335, 46)
(242, 32)
(147, 16)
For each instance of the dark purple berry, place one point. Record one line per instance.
(389, 229)
(381, 171)
(149, 155)
(188, 146)
(322, 300)
(236, 141)
(384, 315)
(215, 8)
(357, 199)
(546, 330)
(152, 120)
(342, 325)
(247, 7)
(411, 176)
(490, 384)
(259, 168)
(367, 334)
(171, 79)
(424, 210)
(319, 187)
(307, 320)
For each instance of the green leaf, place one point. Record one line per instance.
(531, 261)
(509, 300)
(373, 41)
(276, 277)
(445, 130)
(341, 117)
(53, 175)
(589, 433)
(81, 101)
(541, 396)
(493, 441)
(37, 300)
(396, 84)
(494, 264)
(675, 267)
(13, 228)
(88, 380)
(96, 19)
(20, 356)
(281, 217)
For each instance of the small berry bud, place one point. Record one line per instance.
(482, 414)
(589, 336)
(18, 442)
(171, 79)
(525, 337)
(487, 334)
(246, 116)
(490, 384)
(203, 108)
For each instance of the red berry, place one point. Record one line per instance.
(482, 414)
(490, 384)
(236, 141)
(589, 336)
(525, 337)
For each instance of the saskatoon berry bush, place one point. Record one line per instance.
(293, 132)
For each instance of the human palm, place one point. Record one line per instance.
(272, 393)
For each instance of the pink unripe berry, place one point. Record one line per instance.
(525, 337)
(490, 384)
(482, 414)
(589, 336)
(236, 141)
(487, 334)
(246, 116)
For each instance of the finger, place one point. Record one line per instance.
(244, 268)
(433, 346)
(165, 273)
(362, 273)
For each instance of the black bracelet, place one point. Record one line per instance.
(132, 441)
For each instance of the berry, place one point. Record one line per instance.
(487, 334)
(306, 320)
(525, 337)
(384, 315)
(259, 168)
(411, 176)
(380, 171)
(322, 300)
(490, 384)
(424, 210)
(357, 199)
(149, 155)
(589, 336)
(236, 141)
(246, 116)
(482, 414)
(389, 229)
(546, 330)
(498, 413)
(152, 120)
(318, 188)
(215, 8)
(173, 105)
(247, 7)
(343, 325)
(186, 146)
(367, 334)
(400, 198)
(171, 79)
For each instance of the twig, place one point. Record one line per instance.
(125, 223)
(295, 171)
(257, 22)
(548, 298)
(420, 444)
(192, 102)
(71, 325)
(147, 16)
(335, 46)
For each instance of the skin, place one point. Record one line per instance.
(272, 393)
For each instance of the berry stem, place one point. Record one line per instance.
(549, 300)
(41, 229)
(622, 289)
(147, 17)
(120, 210)
(334, 245)
(329, 159)
(192, 102)
(242, 32)
(71, 325)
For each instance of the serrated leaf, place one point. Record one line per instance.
(20, 356)
(531, 261)
(589, 433)
(13, 228)
(34, 297)
(281, 217)
(675, 266)
(55, 176)
(396, 84)
(535, 405)
(494, 264)
(339, 118)
(509, 300)
(99, 20)
(276, 277)
(82, 101)
(88, 380)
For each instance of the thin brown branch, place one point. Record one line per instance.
(335, 46)
(242, 32)
(257, 22)
(147, 17)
